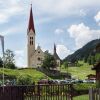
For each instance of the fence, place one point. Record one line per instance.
(94, 94)
(36, 92)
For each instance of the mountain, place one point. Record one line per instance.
(84, 52)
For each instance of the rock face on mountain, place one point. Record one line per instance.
(85, 51)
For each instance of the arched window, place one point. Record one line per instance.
(38, 51)
(39, 58)
(32, 42)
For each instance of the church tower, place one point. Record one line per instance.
(58, 61)
(30, 38)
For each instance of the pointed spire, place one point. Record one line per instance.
(55, 53)
(31, 21)
(54, 48)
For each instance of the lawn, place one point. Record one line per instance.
(79, 72)
(82, 97)
(36, 75)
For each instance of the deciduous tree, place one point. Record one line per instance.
(9, 61)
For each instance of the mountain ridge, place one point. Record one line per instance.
(83, 52)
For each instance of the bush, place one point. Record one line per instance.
(25, 80)
(83, 86)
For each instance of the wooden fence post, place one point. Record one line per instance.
(71, 91)
(91, 94)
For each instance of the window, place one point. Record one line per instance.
(39, 59)
(38, 51)
(32, 42)
(31, 38)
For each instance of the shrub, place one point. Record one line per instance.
(25, 80)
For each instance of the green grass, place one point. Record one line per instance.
(84, 86)
(36, 75)
(79, 72)
(82, 97)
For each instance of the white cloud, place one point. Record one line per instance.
(82, 34)
(10, 31)
(59, 31)
(63, 51)
(97, 18)
(49, 9)
(8, 9)
(83, 12)
(20, 58)
(64, 7)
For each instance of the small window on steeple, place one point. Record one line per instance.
(32, 42)
(31, 38)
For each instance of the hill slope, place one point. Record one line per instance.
(85, 51)
(36, 75)
(80, 72)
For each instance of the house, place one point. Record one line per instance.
(91, 76)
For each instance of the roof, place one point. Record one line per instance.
(97, 66)
(91, 75)
(56, 56)
(31, 22)
(55, 53)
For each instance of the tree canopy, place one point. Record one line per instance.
(49, 61)
(9, 61)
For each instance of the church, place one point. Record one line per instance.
(35, 56)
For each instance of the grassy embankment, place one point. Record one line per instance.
(36, 75)
(79, 72)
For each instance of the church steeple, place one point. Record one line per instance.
(31, 21)
(54, 48)
(31, 38)
(55, 53)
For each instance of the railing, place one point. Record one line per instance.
(36, 92)
(94, 94)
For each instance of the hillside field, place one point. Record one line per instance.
(76, 72)
(36, 75)
(79, 72)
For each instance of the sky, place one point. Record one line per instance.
(70, 24)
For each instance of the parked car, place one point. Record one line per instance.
(56, 81)
(76, 81)
(89, 81)
(65, 82)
